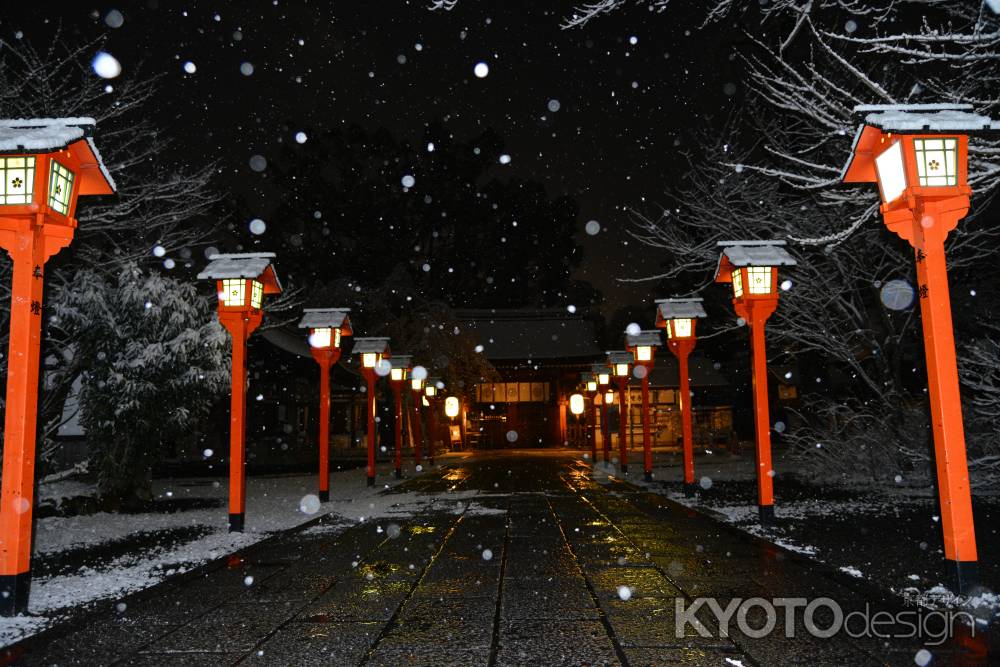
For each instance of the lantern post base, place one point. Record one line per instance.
(14, 589)
(624, 468)
(236, 522)
(690, 490)
(324, 496)
(648, 476)
(963, 574)
(767, 516)
(399, 474)
(371, 481)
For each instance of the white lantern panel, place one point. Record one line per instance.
(759, 278)
(891, 172)
(320, 337)
(257, 295)
(680, 328)
(369, 359)
(643, 353)
(60, 188)
(576, 404)
(936, 160)
(451, 406)
(17, 180)
(737, 284)
(233, 292)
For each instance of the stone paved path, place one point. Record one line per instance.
(561, 546)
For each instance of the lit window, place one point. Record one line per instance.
(320, 337)
(256, 295)
(759, 278)
(60, 187)
(233, 292)
(369, 359)
(643, 353)
(936, 159)
(737, 284)
(680, 328)
(17, 180)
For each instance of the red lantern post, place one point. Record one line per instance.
(326, 328)
(603, 377)
(679, 317)
(589, 381)
(620, 362)
(398, 376)
(375, 355)
(643, 346)
(242, 280)
(752, 268)
(918, 155)
(429, 400)
(45, 165)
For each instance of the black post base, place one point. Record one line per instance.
(399, 474)
(236, 522)
(624, 468)
(767, 515)
(432, 463)
(324, 496)
(649, 476)
(14, 589)
(964, 575)
(690, 490)
(371, 481)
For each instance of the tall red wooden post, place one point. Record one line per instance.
(679, 317)
(923, 181)
(417, 435)
(642, 345)
(620, 362)
(399, 376)
(37, 219)
(242, 280)
(326, 328)
(375, 355)
(751, 268)
(430, 391)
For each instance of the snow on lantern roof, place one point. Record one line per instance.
(620, 357)
(756, 253)
(369, 345)
(925, 118)
(650, 337)
(587, 376)
(674, 309)
(402, 361)
(326, 318)
(599, 368)
(236, 265)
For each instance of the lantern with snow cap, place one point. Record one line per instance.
(679, 318)
(327, 327)
(752, 269)
(398, 376)
(642, 345)
(372, 352)
(620, 363)
(918, 156)
(242, 280)
(45, 166)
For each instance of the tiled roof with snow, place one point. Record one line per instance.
(401, 361)
(620, 357)
(321, 318)
(42, 134)
(671, 309)
(757, 253)
(239, 265)
(925, 117)
(650, 337)
(366, 345)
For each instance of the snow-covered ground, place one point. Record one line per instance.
(274, 503)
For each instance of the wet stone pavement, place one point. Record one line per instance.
(533, 574)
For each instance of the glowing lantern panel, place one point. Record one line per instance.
(576, 404)
(643, 353)
(759, 279)
(891, 172)
(369, 359)
(936, 159)
(679, 328)
(60, 188)
(737, 284)
(321, 337)
(17, 180)
(451, 406)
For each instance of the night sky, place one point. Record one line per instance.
(630, 88)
